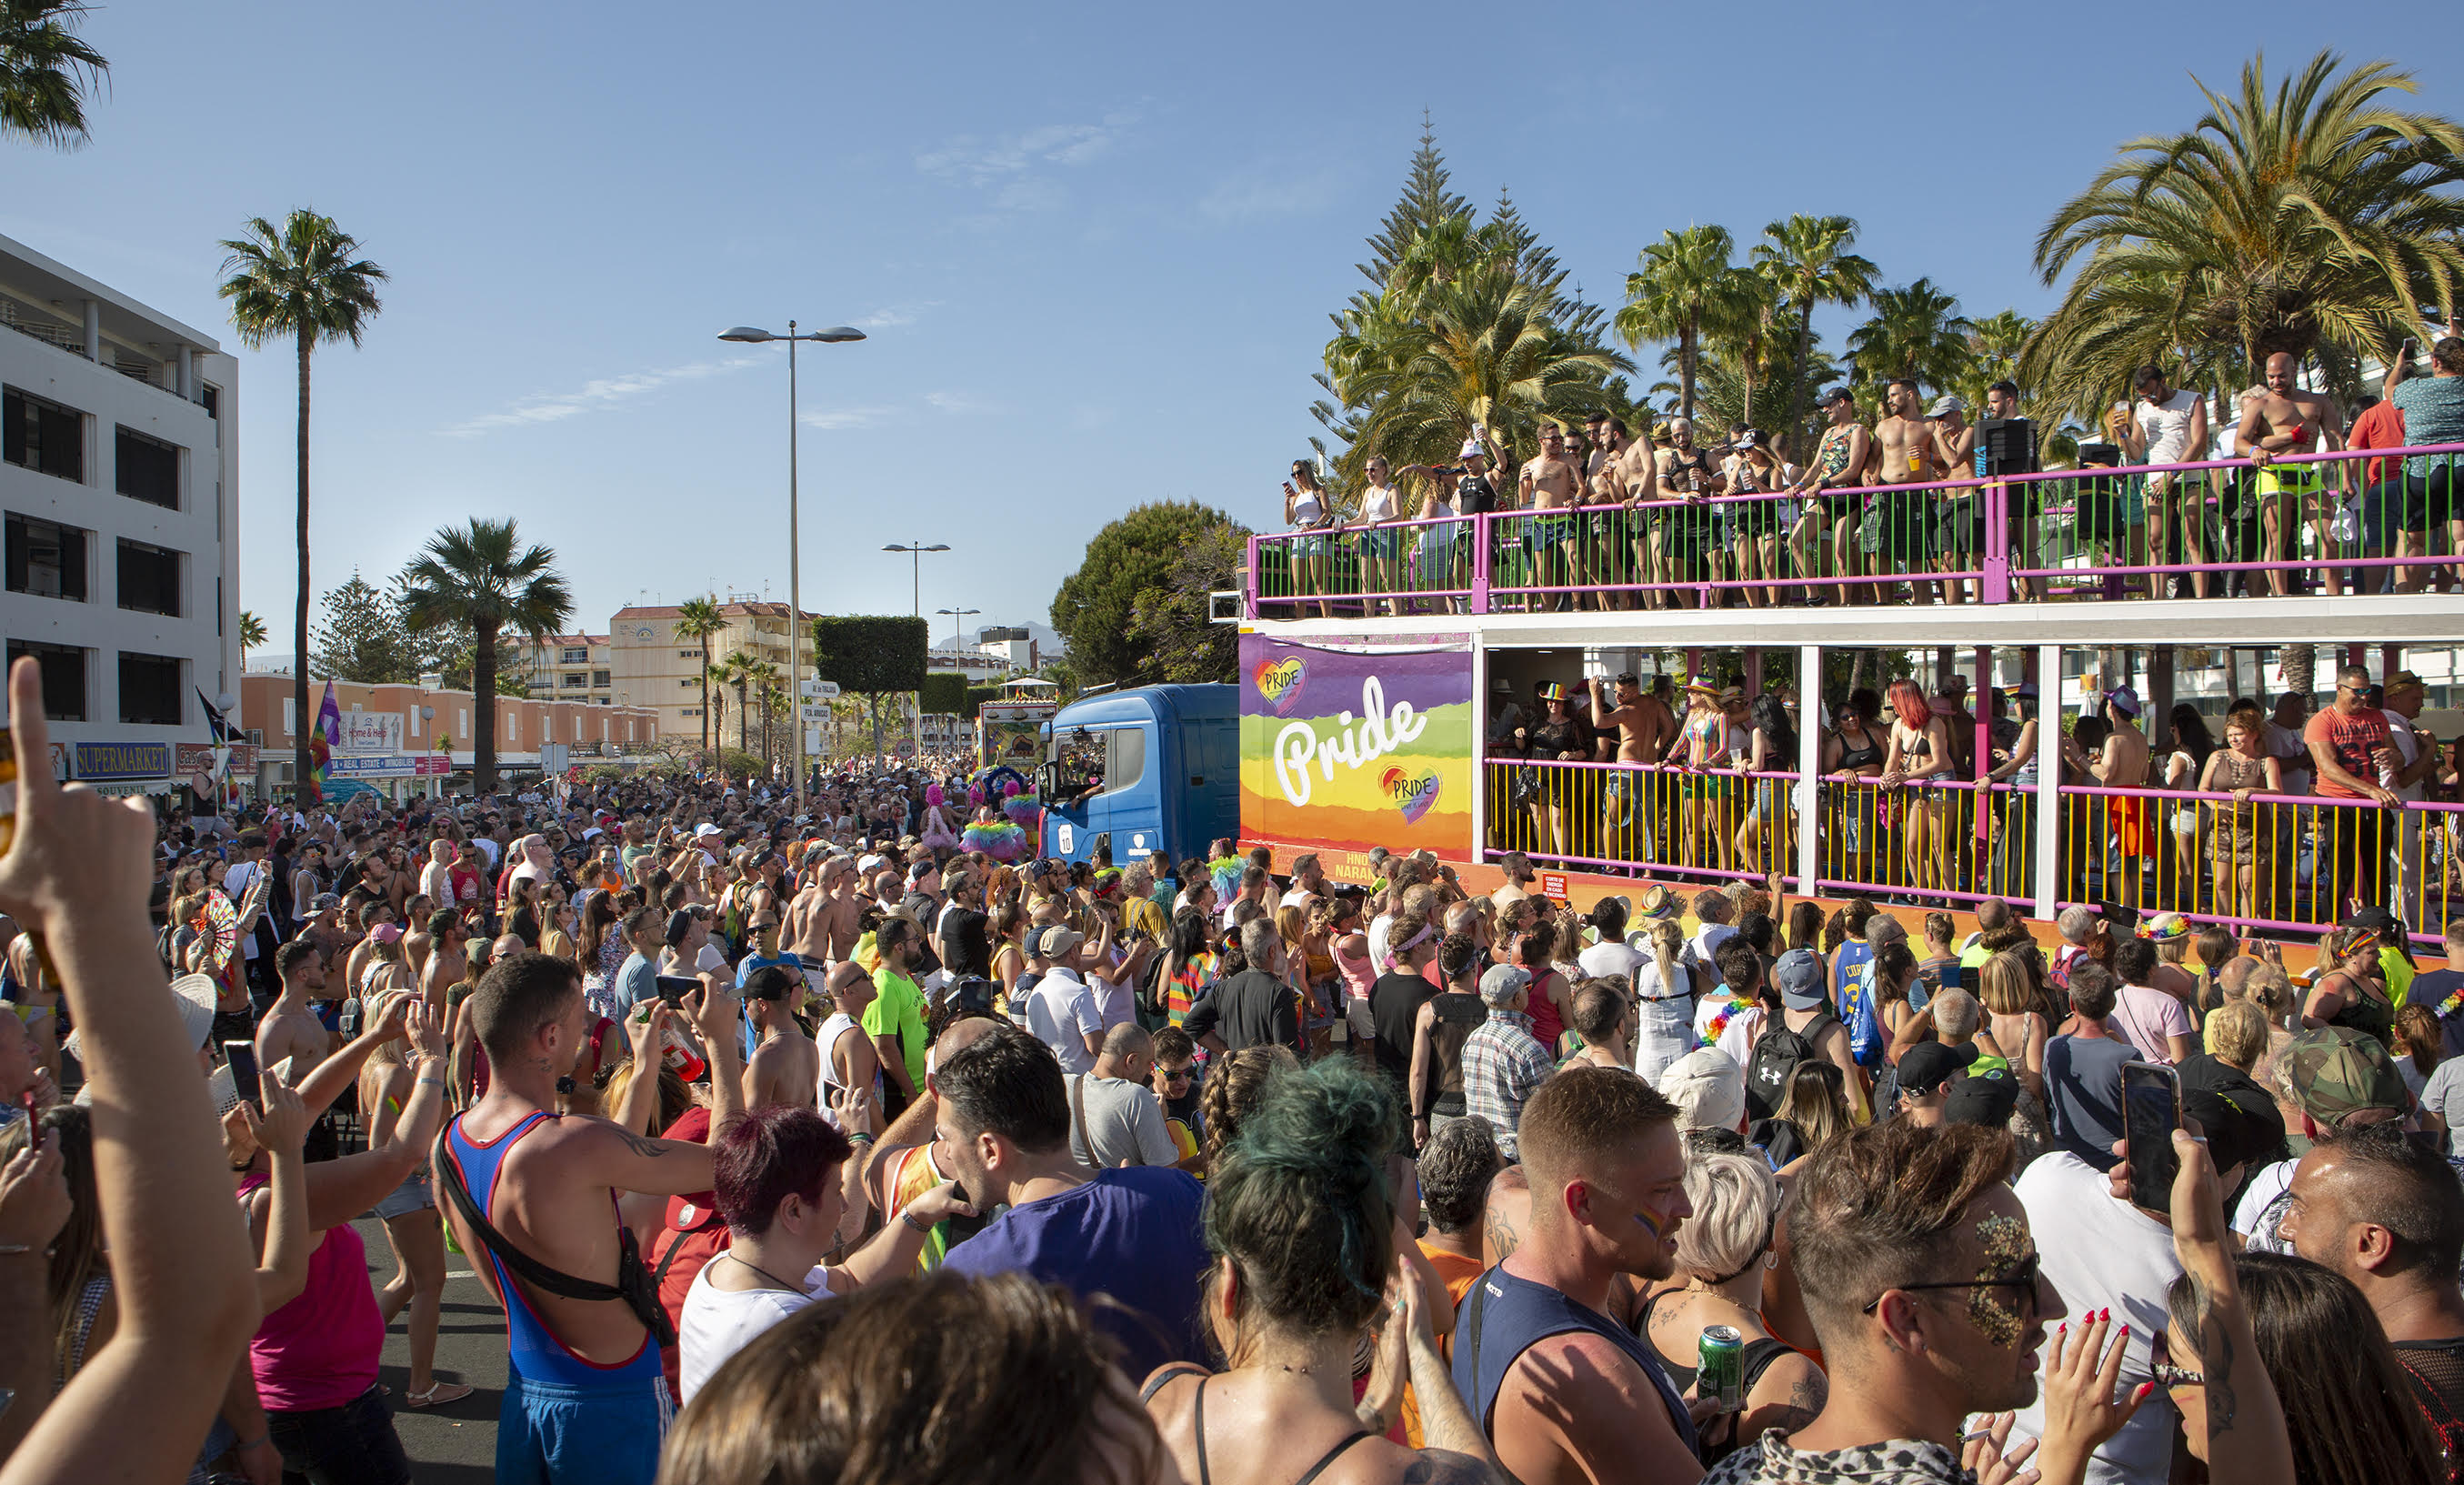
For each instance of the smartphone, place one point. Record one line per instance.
(242, 1057)
(2123, 918)
(2151, 1110)
(674, 988)
(33, 1122)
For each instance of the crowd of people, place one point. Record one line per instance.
(1610, 518)
(2276, 815)
(887, 1161)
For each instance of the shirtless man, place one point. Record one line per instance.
(1644, 729)
(1962, 545)
(1553, 482)
(807, 930)
(448, 961)
(2121, 763)
(843, 909)
(1681, 537)
(1839, 463)
(291, 1028)
(1612, 531)
(1904, 444)
(547, 1187)
(2289, 421)
(785, 1066)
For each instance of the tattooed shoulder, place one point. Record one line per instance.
(640, 1144)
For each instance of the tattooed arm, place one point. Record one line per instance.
(1508, 1210)
(2246, 1432)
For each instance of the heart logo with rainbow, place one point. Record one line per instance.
(1279, 682)
(1412, 794)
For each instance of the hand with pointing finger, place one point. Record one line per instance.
(72, 847)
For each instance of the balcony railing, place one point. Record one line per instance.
(2284, 864)
(2356, 520)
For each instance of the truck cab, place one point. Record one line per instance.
(1157, 769)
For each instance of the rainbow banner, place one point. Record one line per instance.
(1353, 743)
(322, 739)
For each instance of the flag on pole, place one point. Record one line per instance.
(322, 740)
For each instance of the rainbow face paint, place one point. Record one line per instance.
(1991, 1308)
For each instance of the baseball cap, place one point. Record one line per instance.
(1057, 940)
(1471, 449)
(2239, 1118)
(1926, 1066)
(1708, 1088)
(1836, 394)
(769, 983)
(324, 902)
(387, 933)
(1985, 1098)
(1500, 983)
(1946, 404)
(2123, 699)
(1798, 974)
(869, 865)
(2334, 1073)
(694, 1209)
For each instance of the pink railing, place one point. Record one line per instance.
(2012, 538)
(1699, 824)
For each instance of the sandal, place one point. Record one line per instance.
(438, 1394)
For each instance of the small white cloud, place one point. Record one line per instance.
(838, 418)
(1268, 192)
(556, 407)
(960, 404)
(890, 316)
(980, 162)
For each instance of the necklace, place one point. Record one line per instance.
(766, 1274)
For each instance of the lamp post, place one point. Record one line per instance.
(957, 635)
(916, 551)
(747, 335)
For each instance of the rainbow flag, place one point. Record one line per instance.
(322, 739)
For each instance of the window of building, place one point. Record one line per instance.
(690, 681)
(63, 676)
(598, 677)
(513, 726)
(146, 469)
(149, 578)
(573, 679)
(577, 654)
(46, 560)
(149, 690)
(687, 655)
(211, 398)
(41, 435)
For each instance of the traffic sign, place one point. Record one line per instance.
(821, 690)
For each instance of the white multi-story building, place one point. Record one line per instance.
(574, 668)
(120, 491)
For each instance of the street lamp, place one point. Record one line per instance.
(915, 550)
(957, 635)
(747, 335)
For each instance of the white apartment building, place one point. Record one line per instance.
(654, 666)
(118, 480)
(574, 668)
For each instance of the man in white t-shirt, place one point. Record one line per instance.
(773, 1267)
(2169, 426)
(1115, 1118)
(1063, 1013)
(2416, 755)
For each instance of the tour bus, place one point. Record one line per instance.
(1415, 700)
(1155, 769)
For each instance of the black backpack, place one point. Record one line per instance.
(1776, 1053)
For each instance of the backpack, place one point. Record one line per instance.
(1776, 1053)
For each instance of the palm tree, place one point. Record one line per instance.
(46, 70)
(2309, 218)
(761, 676)
(1685, 287)
(1916, 333)
(1994, 346)
(697, 619)
(736, 670)
(481, 579)
(299, 281)
(1807, 257)
(251, 636)
(775, 702)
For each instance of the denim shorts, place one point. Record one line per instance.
(351, 1445)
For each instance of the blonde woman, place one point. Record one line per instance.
(1664, 995)
(2242, 835)
(1310, 509)
(411, 1227)
(1381, 506)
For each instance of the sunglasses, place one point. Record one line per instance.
(2023, 1278)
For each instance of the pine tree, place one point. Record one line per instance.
(362, 638)
(1426, 204)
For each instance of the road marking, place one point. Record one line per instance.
(459, 1273)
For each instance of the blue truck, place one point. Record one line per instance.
(1155, 769)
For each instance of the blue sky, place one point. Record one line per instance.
(1095, 246)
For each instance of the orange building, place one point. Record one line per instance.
(393, 736)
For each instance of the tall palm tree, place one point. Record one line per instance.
(479, 578)
(1917, 332)
(251, 636)
(1685, 287)
(735, 669)
(775, 702)
(46, 70)
(699, 619)
(1994, 346)
(1807, 257)
(761, 676)
(301, 281)
(2308, 217)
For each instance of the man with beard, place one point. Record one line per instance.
(1898, 536)
(1563, 1389)
(2284, 422)
(1839, 464)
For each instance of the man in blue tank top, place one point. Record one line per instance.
(585, 1397)
(1563, 1389)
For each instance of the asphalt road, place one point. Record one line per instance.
(456, 1444)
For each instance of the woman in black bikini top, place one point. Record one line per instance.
(1297, 1286)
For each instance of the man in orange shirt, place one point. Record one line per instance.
(1455, 1169)
(2381, 426)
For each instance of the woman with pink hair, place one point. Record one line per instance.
(1919, 750)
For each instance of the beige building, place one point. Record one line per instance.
(574, 668)
(650, 665)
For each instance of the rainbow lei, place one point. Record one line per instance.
(2451, 1005)
(1721, 1018)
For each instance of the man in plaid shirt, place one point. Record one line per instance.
(1503, 1062)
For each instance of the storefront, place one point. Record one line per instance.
(121, 768)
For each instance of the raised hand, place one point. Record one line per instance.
(2080, 1372)
(283, 1125)
(73, 850)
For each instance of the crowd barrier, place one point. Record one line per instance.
(2347, 522)
(2272, 864)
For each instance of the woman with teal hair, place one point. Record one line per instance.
(1302, 1219)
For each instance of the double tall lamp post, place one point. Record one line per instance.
(915, 550)
(747, 335)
